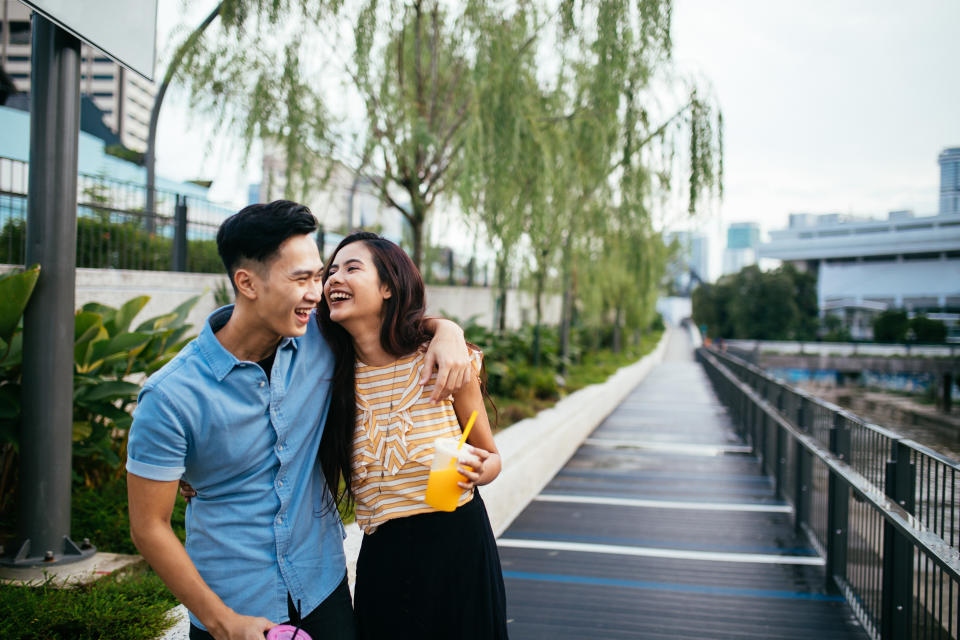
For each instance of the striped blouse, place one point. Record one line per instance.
(393, 439)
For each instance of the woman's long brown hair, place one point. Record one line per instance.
(401, 333)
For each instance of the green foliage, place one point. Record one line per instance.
(928, 330)
(130, 606)
(547, 122)
(100, 513)
(753, 304)
(891, 326)
(102, 244)
(110, 360)
(834, 329)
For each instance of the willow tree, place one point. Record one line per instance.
(502, 173)
(616, 54)
(381, 87)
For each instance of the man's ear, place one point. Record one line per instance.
(247, 282)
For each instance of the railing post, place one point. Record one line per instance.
(897, 601)
(180, 234)
(779, 457)
(804, 473)
(838, 508)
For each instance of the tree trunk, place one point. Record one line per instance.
(617, 347)
(500, 321)
(538, 307)
(566, 309)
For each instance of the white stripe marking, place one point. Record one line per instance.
(664, 504)
(652, 552)
(672, 447)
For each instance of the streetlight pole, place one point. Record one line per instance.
(43, 504)
(151, 155)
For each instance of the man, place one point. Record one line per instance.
(239, 414)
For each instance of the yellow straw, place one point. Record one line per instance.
(466, 432)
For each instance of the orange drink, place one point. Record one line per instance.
(442, 490)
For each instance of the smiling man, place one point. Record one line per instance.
(239, 414)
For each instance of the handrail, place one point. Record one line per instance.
(873, 503)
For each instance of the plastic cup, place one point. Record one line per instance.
(285, 632)
(443, 493)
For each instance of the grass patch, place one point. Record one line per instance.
(130, 606)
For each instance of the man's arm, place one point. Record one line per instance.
(448, 352)
(151, 504)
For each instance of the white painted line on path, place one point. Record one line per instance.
(664, 504)
(672, 447)
(652, 552)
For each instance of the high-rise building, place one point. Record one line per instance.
(124, 97)
(950, 180)
(743, 240)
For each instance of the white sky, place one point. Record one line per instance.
(837, 105)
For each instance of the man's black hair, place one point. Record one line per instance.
(257, 231)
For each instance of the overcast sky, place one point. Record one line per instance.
(837, 105)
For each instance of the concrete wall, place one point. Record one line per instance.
(168, 289)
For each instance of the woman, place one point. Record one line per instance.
(421, 573)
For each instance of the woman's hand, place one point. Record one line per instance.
(478, 466)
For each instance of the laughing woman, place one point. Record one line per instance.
(421, 573)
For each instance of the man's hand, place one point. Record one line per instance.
(237, 627)
(448, 352)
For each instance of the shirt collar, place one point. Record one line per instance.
(220, 360)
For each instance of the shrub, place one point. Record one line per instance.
(891, 326)
(927, 330)
(109, 361)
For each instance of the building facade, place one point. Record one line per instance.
(950, 180)
(743, 240)
(864, 267)
(125, 98)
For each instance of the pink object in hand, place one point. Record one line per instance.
(285, 632)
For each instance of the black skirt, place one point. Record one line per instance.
(432, 575)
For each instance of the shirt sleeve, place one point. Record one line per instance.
(157, 446)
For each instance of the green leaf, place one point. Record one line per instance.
(9, 401)
(15, 291)
(157, 323)
(121, 343)
(109, 390)
(174, 319)
(125, 315)
(86, 328)
(15, 353)
(82, 430)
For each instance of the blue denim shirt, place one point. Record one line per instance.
(262, 523)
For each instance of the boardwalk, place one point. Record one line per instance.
(661, 526)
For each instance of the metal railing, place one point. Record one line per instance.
(113, 230)
(882, 509)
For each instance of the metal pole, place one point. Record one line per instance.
(43, 519)
(180, 234)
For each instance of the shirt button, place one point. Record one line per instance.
(262, 383)
(280, 519)
(280, 483)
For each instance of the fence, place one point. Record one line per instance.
(883, 510)
(113, 229)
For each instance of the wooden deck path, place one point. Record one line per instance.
(661, 526)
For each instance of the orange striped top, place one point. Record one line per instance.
(393, 439)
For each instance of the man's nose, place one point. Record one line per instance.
(314, 291)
